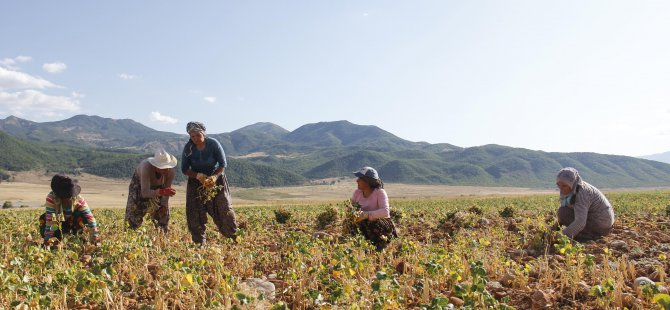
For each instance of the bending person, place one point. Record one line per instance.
(207, 191)
(150, 189)
(584, 209)
(64, 205)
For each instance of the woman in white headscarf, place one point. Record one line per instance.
(584, 209)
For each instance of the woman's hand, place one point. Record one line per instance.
(362, 216)
(167, 191)
(201, 177)
(210, 181)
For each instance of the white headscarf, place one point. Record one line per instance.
(570, 176)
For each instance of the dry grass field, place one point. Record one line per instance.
(459, 247)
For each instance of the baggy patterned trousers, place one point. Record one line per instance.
(137, 207)
(219, 208)
(379, 232)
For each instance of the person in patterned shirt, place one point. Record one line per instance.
(585, 211)
(64, 205)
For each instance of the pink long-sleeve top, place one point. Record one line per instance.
(377, 204)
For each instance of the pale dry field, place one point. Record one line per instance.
(31, 188)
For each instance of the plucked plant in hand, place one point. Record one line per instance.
(351, 212)
(207, 192)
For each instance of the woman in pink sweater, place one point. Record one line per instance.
(374, 221)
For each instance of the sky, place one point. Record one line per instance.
(556, 76)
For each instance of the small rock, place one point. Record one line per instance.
(456, 301)
(532, 252)
(272, 276)
(540, 299)
(583, 289)
(262, 286)
(662, 289)
(494, 285)
(619, 245)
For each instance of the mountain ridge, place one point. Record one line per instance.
(326, 150)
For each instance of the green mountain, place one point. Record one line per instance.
(22, 155)
(264, 154)
(95, 131)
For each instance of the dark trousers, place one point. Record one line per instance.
(219, 208)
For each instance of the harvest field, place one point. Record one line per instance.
(472, 252)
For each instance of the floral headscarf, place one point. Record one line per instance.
(195, 126)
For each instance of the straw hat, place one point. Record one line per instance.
(163, 160)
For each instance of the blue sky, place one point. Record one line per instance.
(562, 76)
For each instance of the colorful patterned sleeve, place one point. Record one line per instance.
(51, 222)
(85, 211)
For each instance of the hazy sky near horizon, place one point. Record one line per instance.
(565, 76)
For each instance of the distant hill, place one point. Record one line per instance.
(264, 154)
(95, 131)
(21, 155)
(662, 157)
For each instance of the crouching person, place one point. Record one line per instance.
(585, 211)
(150, 190)
(374, 221)
(66, 212)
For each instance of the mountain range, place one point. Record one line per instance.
(265, 154)
(662, 157)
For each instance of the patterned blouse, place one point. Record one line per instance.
(54, 209)
(591, 203)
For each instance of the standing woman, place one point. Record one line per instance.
(150, 189)
(584, 209)
(204, 162)
(375, 219)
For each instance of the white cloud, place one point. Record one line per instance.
(126, 76)
(160, 118)
(11, 79)
(10, 63)
(366, 14)
(54, 67)
(78, 95)
(210, 99)
(36, 104)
